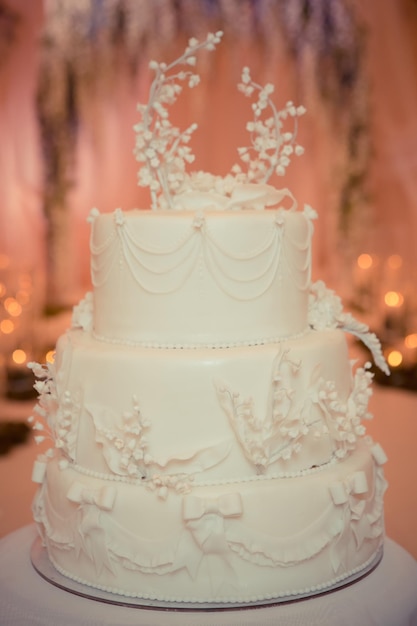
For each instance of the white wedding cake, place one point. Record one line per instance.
(209, 446)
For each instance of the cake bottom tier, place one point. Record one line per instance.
(237, 542)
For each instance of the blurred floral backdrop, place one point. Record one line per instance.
(72, 72)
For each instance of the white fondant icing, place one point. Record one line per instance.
(159, 279)
(314, 411)
(208, 447)
(183, 546)
(207, 423)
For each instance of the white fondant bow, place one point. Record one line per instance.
(207, 521)
(91, 535)
(229, 505)
(102, 498)
(39, 469)
(378, 454)
(356, 485)
(349, 493)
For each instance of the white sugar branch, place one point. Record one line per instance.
(160, 146)
(279, 434)
(271, 145)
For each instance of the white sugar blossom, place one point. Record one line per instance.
(160, 147)
(163, 149)
(82, 314)
(309, 212)
(326, 311)
(270, 147)
(58, 414)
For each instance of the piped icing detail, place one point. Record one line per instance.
(242, 274)
(261, 341)
(236, 598)
(181, 483)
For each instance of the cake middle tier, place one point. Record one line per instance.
(205, 414)
(207, 278)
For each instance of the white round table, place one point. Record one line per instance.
(385, 597)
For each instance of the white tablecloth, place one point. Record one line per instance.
(386, 597)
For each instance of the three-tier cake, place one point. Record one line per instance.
(209, 446)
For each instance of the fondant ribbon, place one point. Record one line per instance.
(92, 535)
(39, 469)
(229, 505)
(356, 485)
(205, 519)
(348, 493)
(378, 454)
(103, 498)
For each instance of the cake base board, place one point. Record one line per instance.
(44, 567)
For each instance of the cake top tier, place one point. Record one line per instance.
(163, 150)
(203, 277)
(207, 265)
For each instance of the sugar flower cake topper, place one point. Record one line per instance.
(272, 147)
(163, 149)
(164, 153)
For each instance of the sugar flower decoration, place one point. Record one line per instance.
(163, 149)
(55, 415)
(160, 146)
(326, 311)
(271, 147)
(82, 313)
